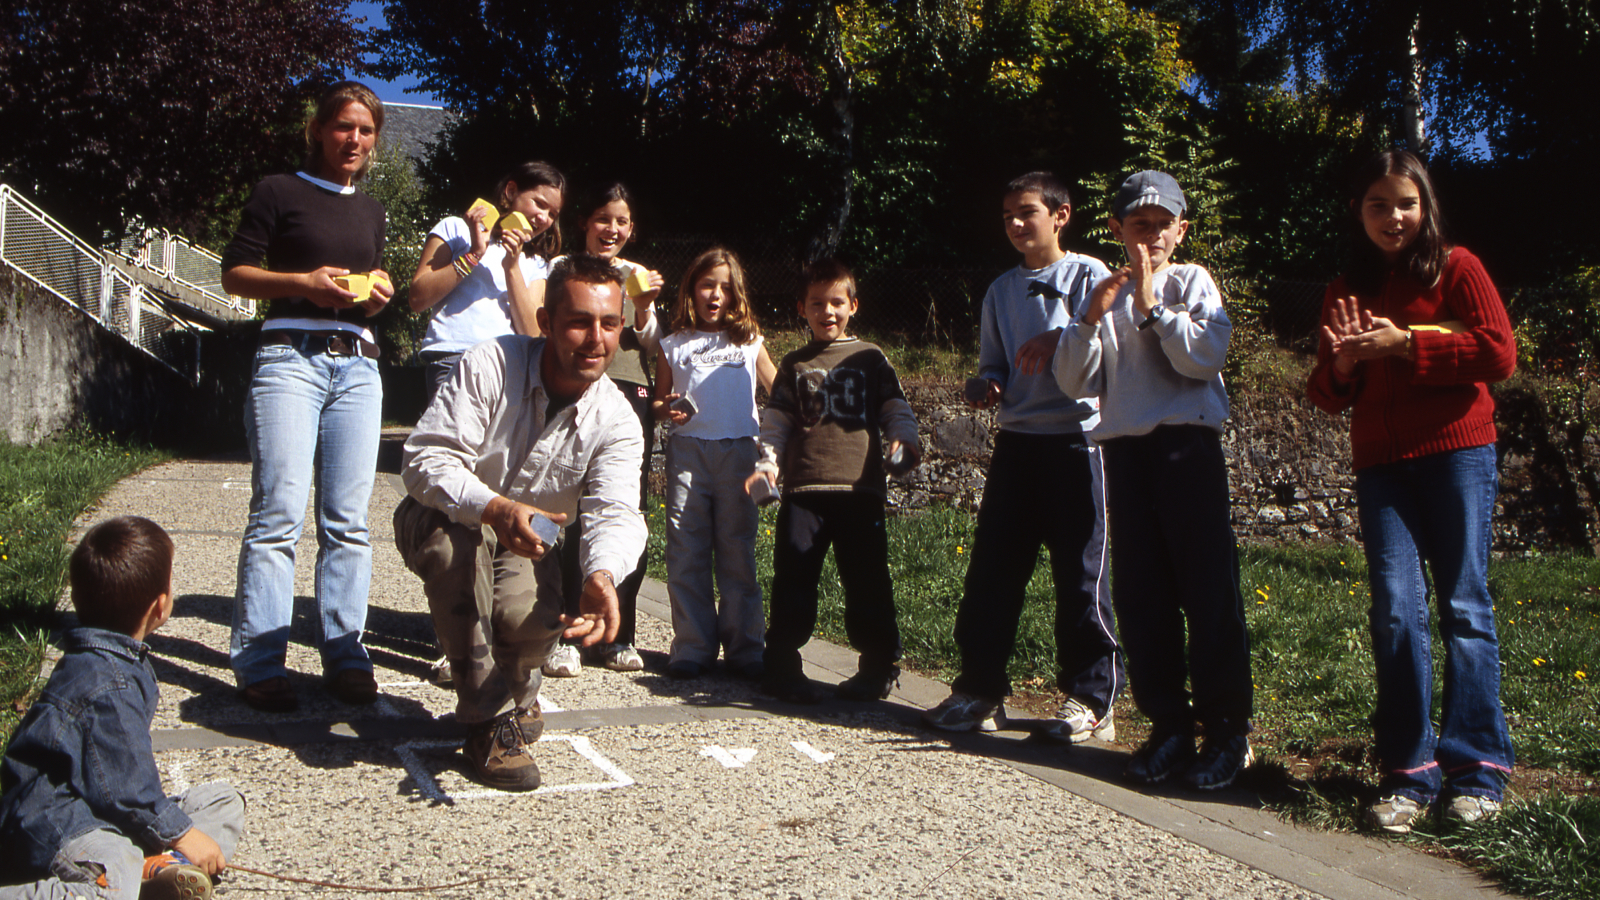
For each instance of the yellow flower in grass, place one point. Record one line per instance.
(958, 548)
(1539, 661)
(1581, 675)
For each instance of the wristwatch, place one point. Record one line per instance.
(1155, 314)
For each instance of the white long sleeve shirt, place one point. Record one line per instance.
(486, 434)
(1166, 373)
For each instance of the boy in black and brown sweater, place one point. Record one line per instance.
(836, 411)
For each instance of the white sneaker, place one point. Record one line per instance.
(621, 658)
(1395, 813)
(564, 662)
(439, 672)
(964, 712)
(1466, 810)
(1076, 723)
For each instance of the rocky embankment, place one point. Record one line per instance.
(1289, 468)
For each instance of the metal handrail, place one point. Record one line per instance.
(46, 253)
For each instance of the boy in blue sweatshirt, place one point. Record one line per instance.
(82, 812)
(1151, 345)
(1043, 489)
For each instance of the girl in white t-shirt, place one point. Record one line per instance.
(488, 283)
(714, 357)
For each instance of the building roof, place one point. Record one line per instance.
(411, 127)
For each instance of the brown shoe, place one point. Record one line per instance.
(271, 695)
(531, 718)
(356, 687)
(500, 754)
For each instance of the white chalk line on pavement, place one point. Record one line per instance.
(429, 785)
(817, 756)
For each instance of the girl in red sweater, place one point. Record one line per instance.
(1412, 335)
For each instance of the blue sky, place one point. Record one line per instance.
(388, 91)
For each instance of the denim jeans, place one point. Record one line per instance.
(1434, 509)
(310, 418)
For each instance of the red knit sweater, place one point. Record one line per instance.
(1401, 408)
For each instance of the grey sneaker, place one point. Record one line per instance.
(1467, 810)
(1075, 723)
(1395, 813)
(500, 753)
(964, 712)
(564, 662)
(621, 658)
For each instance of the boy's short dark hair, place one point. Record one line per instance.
(119, 568)
(585, 268)
(1052, 190)
(827, 271)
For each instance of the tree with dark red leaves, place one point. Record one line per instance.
(163, 112)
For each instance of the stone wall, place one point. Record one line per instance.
(1289, 467)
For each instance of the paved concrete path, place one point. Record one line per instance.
(656, 788)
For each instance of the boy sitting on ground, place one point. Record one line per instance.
(82, 812)
(836, 409)
(1151, 346)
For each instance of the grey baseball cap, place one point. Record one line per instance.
(1149, 188)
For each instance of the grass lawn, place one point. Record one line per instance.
(43, 489)
(1312, 664)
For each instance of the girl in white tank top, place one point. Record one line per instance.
(714, 357)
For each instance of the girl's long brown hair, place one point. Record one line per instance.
(1424, 260)
(737, 320)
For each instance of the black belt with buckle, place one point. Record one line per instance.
(333, 343)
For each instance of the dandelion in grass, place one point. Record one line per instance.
(958, 549)
(1539, 661)
(1581, 675)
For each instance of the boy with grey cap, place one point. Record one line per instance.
(1150, 345)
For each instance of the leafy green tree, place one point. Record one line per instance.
(121, 109)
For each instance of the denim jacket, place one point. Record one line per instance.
(82, 757)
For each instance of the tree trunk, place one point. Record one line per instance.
(1411, 105)
(841, 140)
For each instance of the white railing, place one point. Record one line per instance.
(181, 261)
(49, 255)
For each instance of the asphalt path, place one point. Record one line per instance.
(660, 788)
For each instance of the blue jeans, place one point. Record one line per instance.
(309, 418)
(1435, 509)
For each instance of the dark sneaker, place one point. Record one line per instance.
(271, 695)
(685, 669)
(356, 687)
(798, 689)
(501, 755)
(169, 876)
(1164, 755)
(1220, 762)
(965, 712)
(750, 671)
(869, 686)
(1395, 813)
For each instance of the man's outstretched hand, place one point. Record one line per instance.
(599, 613)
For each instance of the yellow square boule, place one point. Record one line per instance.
(638, 282)
(491, 217)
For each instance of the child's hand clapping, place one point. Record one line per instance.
(1144, 291)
